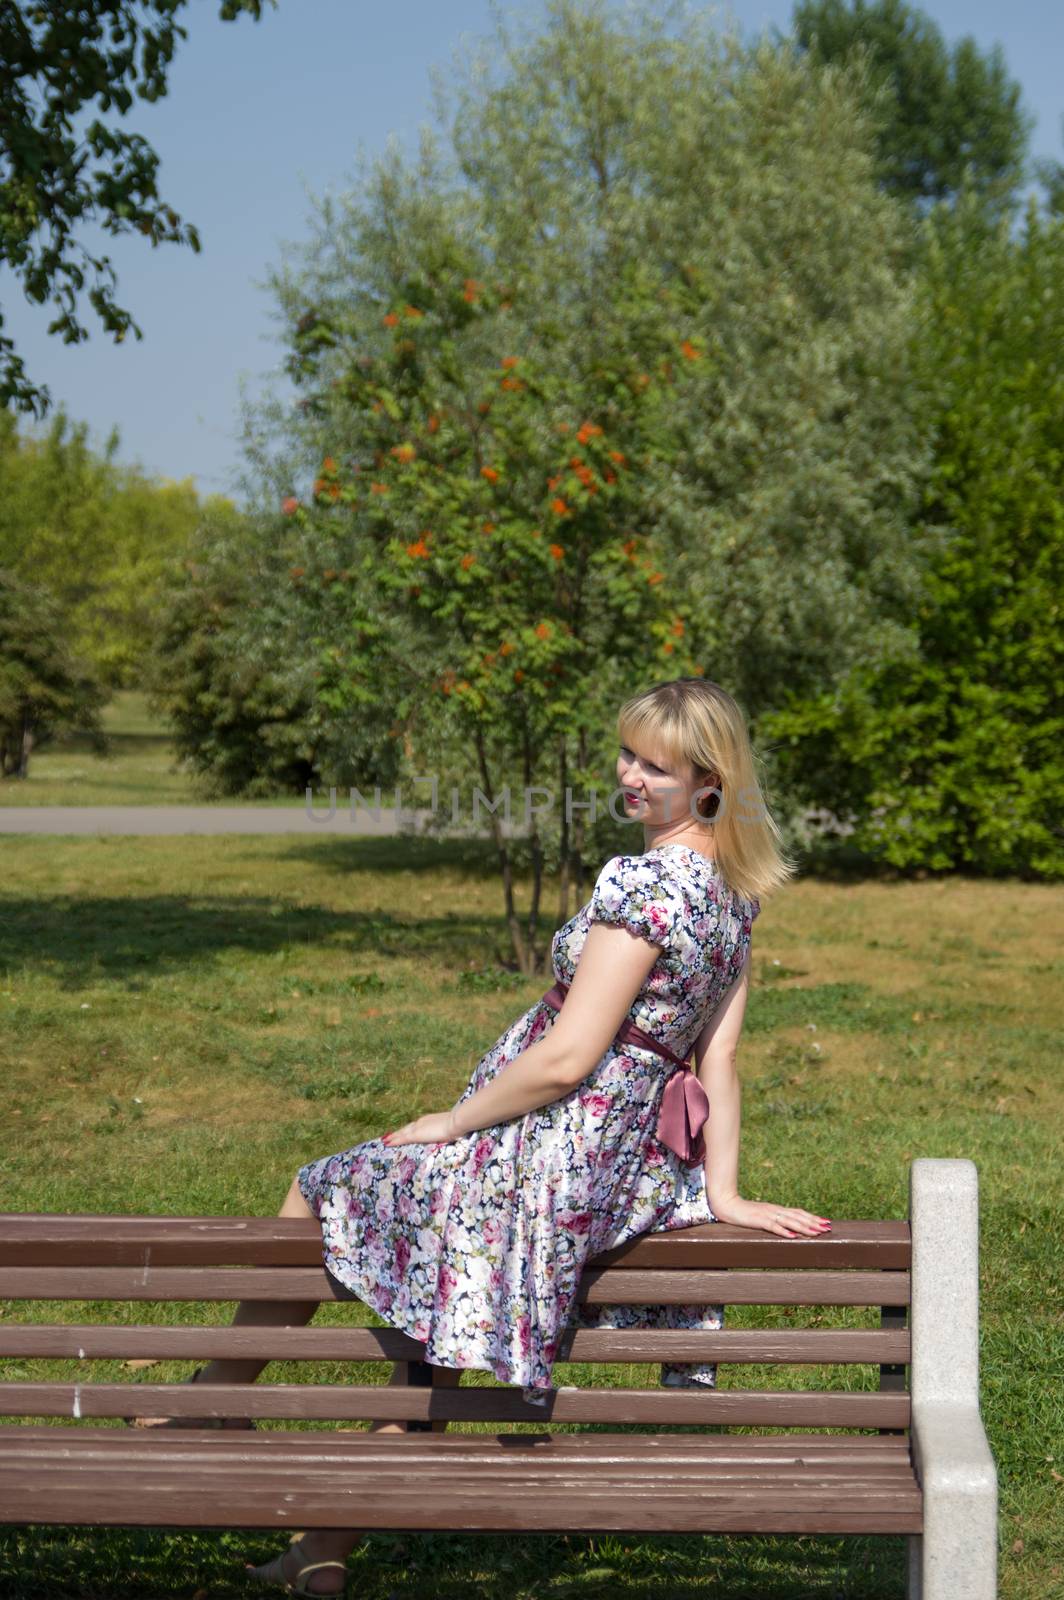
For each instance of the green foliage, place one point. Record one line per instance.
(56, 60)
(578, 380)
(44, 686)
(939, 110)
(952, 760)
(238, 708)
(96, 535)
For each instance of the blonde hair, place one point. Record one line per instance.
(695, 722)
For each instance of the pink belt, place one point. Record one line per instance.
(684, 1104)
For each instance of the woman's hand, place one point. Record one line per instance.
(789, 1221)
(436, 1127)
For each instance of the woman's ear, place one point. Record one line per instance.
(709, 780)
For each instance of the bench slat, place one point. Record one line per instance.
(597, 1286)
(89, 1239)
(86, 1443)
(644, 1345)
(385, 1403)
(592, 1483)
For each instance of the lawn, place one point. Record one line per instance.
(187, 1020)
(140, 769)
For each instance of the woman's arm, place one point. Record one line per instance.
(715, 1063)
(612, 969)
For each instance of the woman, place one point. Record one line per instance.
(469, 1228)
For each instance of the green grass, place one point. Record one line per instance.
(184, 1022)
(140, 770)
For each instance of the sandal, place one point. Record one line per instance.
(298, 1583)
(189, 1422)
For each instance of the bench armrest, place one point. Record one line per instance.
(951, 1452)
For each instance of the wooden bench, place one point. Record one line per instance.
(921, 1468)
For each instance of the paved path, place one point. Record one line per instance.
(207, 819)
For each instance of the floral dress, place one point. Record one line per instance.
(476, 1246)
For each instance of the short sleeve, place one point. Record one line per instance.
(637, 893)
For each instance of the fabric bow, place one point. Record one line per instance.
(682, 1118)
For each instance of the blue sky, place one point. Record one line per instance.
(259, 116)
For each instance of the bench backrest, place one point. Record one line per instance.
(122, 1261)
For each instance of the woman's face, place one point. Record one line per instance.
(656, 790)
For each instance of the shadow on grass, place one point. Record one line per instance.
(79, 939)
(132, 1564)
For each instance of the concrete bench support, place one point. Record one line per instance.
(956, 1555)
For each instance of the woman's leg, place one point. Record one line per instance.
(319, 1544)
(336, 1544)
(265, 1313)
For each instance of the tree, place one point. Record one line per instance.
(247, 670)
(44, 686)
(97, 535)
(55, 61)
(943, 109)
(675, 250)
(1050, 174)
(952, 760)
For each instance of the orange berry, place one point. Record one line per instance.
(656, 577)
(559, 507)
(290, 505)
(390, 320)
(490, 473)
(378, 488)
(403, 452)
(510, 361)
(434, 423)
(412, 311)
(468, 560)
(557, 551)
(691, 351)
(543, 630)
(506, 648)
(518, 675)
(615, 455)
